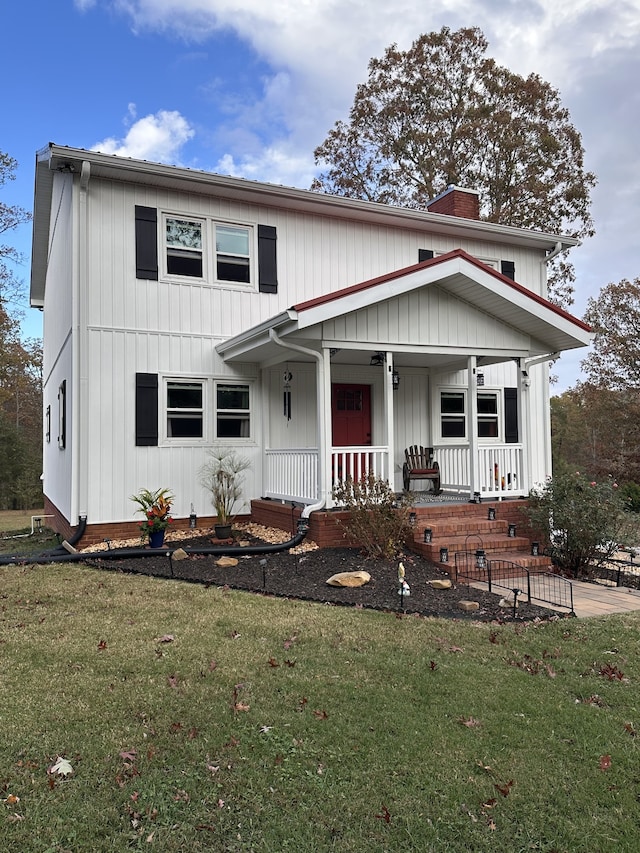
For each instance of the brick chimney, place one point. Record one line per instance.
(456, 201)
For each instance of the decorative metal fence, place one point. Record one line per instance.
(516, 579)
(618, 572)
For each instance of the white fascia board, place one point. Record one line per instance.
(156, 174)
(257, 335)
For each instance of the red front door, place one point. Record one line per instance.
(351, 423)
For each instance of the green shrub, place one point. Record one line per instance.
(583, 521)
(378, 520)
(631, 495)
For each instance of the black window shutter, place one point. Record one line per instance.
(267, 261)
(146, 410)
(508, 268)
(511, 431)
(425, 255)
(146, 242)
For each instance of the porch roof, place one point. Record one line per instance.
(538, 326)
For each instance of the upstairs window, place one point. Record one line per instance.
(232, 254)
(184, 247)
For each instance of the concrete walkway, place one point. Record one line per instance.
(589, 599)
(594, 599)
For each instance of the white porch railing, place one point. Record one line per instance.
(500, 470)
(357, 462)
(292, 474)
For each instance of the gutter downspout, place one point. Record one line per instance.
(556, 251)
(322, 434)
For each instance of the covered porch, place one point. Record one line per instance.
(448, 353)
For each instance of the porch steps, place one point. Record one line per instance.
(466, 527)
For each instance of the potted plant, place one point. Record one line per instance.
(222, 476)
(156, 507)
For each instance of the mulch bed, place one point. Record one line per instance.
(304, 576)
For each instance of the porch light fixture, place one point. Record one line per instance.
(481, 559)
(479, 379)
(428, 534)
(412, 519)
(444, 555)
(512, 531)
(491, 515)
(377, 359)
(395, 380)
(535, 549)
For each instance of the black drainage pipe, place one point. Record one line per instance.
(134, 553)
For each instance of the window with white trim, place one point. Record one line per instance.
(232, 254)
(453, 414)
(453, 417)
(488, 415)
(185, 408)
(186, 254)
(233, 410)
(184, 244)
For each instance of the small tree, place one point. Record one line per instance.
(222, 476)
(378, 520)
(583, 521)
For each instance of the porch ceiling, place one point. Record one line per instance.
(341, 321)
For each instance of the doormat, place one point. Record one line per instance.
(429, 497)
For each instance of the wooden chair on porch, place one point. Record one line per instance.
(420, 465)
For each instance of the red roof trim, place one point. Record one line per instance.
(456, 253)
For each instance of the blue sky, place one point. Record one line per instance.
(250, 88)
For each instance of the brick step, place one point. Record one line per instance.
(471, 542)
(460, 527)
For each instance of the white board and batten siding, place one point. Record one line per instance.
(171, 327)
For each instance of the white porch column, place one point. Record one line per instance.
(388, 408)
(524, 422)
(472, 396)
(325, 440)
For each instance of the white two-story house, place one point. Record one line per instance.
(318, 335)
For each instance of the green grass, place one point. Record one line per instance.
(380, 734)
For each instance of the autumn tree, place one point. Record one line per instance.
(20, 375)
(596, 430)
(614, 315)
(444, 113)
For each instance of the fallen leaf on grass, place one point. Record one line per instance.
(241, 706)
(321, 715)
(470, 722)
(213, 665)
(289, 662)
(128, 755)
(273, 662)
(102, 645)
(11, 800)
(165, 638)
(605, 762)
(288, 643)
(630, 730)
(384, 815)
(61, 766)
(505, 789)
(172, 681)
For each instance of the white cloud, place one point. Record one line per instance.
(159, 137)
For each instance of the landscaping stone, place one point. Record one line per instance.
(349, 579)
(227, 561)
(179, 554)
(441, 584)
(468, 606)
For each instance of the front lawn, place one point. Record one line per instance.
(199, 719)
